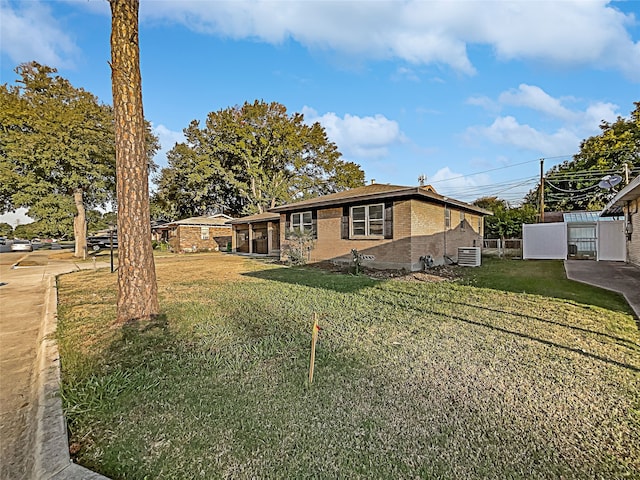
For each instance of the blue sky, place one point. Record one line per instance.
(469, 93)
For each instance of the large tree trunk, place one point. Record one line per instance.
(80, 224)
(137, 288)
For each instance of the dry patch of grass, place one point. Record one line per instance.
(413, 379)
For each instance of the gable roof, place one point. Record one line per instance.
(219, 220)
(378, 191)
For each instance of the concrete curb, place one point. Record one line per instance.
(52, 460)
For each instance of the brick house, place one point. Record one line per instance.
(393, 226)
(627, 203)
(199, 233)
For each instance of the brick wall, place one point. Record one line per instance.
(430, 237)
(189, 238)
(418, 229)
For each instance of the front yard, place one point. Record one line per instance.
(412, 379)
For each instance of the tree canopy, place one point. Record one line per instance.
(57, 151)
(573, 185)
(506, 222)
(249, 158)
(6, 229)
(55, 139)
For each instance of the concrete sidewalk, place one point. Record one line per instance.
(33, 431)
(617, 276)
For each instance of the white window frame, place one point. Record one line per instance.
(304, 227)
(204, 233)
(462, 222)
(447, 217)
(367, 221)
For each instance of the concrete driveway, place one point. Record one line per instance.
(616, 276)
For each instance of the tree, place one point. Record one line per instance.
(506, 222)
(56, 150)
(6, 230)
(249, 159)
(573, 185)
(137, 286)
(26, 230)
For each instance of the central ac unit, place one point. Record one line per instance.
(469, 256)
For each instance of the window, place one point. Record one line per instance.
(447, 218)
(461, 220)
(302, 221)
(204, 233)
(367, 221)
(480, 226)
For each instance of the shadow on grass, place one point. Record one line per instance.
(350, 284)
(628, 343)
(316, 278)
(540, 277)
(526, 336)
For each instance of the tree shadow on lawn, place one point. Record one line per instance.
(546, 278)
(350, 284)
(526, 336)
(316, 278)
(619, 340)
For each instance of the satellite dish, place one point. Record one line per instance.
(609, 181)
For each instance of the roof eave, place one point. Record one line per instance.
(628, 193)
(405, 192)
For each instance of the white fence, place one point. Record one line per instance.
(611, 241)
(550, 241)
(544, 241)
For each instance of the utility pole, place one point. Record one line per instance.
(626, 173)
(542, 190)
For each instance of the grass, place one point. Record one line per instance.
(540, 277)
(413, 380)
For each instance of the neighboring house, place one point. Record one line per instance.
(395, 227)
(627, 203)
(198, 233)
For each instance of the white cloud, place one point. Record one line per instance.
(567, 33)
(573, 124)
(594, 114)
(484, 102)
(448, 182)
(30, 32)
(168, 139)
(537, 99)
(361, 137)
(19, 217)
(507, 131)
(403, 73)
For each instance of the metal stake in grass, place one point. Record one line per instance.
(314, 340)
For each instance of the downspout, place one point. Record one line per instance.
(444, 256)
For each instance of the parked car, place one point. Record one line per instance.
(3, 240)
(98, 242)
(19, 245)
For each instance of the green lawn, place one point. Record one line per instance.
(540, 277)
(412, 380)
